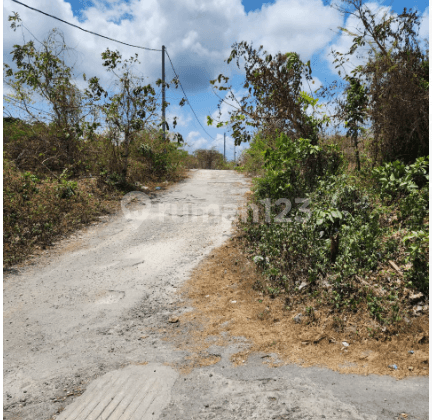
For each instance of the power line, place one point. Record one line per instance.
(82, 29)
(124, 43)
(26, 105)
(184, 93)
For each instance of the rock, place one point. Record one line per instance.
(298, 318)
(415, 298)
(326, 285)
(302, 286)
(345, 344)
(173, 319)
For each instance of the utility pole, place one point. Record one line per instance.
(163, 91)
(234, 153)
(224, 148)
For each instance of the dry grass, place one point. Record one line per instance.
(53, 185)
(35, 214)
(222, 294)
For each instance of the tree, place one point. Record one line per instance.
(208, 158)
(396, 75)
(43, 72)
(42, 75)
(275, 99)
(355, 110)
(131, 108)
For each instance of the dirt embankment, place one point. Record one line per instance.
(222, 292)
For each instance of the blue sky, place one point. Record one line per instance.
(198, 35)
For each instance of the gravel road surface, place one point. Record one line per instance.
(83, 328)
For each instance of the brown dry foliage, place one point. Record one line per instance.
(400, 111)
(396, 75)
(35, 213)
(52, 187)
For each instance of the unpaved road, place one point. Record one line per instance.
(88, 317)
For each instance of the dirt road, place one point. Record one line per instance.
(95, 316)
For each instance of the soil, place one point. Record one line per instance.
(222, 293)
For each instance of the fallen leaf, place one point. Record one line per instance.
(395, 267)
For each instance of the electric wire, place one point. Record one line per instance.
(26, 105)
(124, 43)
(85, 30)
(184, 93)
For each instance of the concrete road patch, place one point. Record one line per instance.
(133, 393)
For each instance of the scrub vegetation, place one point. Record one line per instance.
(343, 218)
(69, 161)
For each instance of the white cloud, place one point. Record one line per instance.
(183, 119)
(194, 141)
(424, 26)
(291, 25)
(354, 25)
(228, 105)
(197, 34)
(345, 41)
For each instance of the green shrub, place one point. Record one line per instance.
(395, 179)
(347, 235)
(418, 259)
(293, 167)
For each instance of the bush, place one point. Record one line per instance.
(418, 259)
(395, 179)
(35, 212)
(293, 167)
(347, 236)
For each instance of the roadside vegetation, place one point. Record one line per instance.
(209, 159)
(71, 157)
(343, 224)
